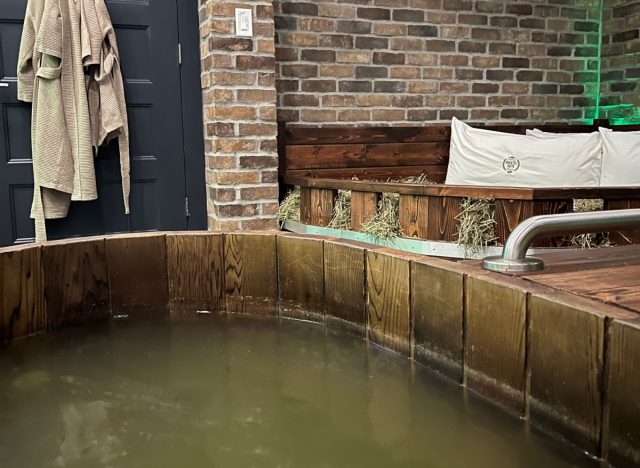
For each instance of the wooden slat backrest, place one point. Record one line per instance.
(380, 153)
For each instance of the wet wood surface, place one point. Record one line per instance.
(437, 294)
(610, 275)
(22, 311)
(344, 282)
(495, 314)
(195, 269)
(138, 275)
(76, 287)
(623, 388)
(388, 306)
(300, 277)
(567, 336)
(251, 281)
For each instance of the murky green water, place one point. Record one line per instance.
(243, 393)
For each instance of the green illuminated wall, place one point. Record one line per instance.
(619, 99)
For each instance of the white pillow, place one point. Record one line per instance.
(485, 157)
(621, 158)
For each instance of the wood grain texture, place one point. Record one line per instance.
(195, 271)
(442, 224)
(137, 266)
(566, 346)
(354, 134)
(388, 304)
(435, 172)
(414, 216)
(366, 155)
(623, 237)
(610, 275)
(510, 213)
(301, 277)
(363, 208)
(494, 348)
(76, 287)
(437, 292)
(623, 389)
(22, 311)
(316, 206)
(251, 280)
(344, 283)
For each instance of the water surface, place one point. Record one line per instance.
(244, 393)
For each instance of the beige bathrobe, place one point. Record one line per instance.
(51, 75)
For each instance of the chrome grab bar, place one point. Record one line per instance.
(514, 259)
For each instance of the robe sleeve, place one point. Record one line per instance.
(26, 74)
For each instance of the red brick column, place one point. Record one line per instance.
(239, 98)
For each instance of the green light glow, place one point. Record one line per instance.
(597, 110)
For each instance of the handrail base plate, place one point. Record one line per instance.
(502, 265)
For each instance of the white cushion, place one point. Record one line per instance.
(485, 157)
(621, 158)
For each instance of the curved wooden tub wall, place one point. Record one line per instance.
(566, 363)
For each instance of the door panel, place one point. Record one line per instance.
(148, 36)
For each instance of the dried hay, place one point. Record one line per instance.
(385, 224)
(589, 240)
(476, 225)
(342, 211)
(289, 209)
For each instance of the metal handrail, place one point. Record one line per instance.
(514, 259)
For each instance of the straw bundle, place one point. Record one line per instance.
(590, 240)
(342, 211)
(476, 225)
(289, 209)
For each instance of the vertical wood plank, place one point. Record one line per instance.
(437, 292)
(301, 277)
(344, 284)
(623, 237)
(76, 287)
(442, 223)
(388, 306)
(510, 213)
(363, 208)
(305, 205)
(623, 389)
(566, 365)
(414, 215)
(494, 348)
(195, 271)
(137, 266)
(251, 281)
(22, 311)
(316, 205)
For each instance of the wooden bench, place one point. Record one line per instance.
(323, 160)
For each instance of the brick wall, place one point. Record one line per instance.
(621, 59)
(239, 97)
(413, 61)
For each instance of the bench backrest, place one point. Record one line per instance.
(381, 153)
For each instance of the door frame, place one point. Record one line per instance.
(192, 122)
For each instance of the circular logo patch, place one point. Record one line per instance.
(510, 164)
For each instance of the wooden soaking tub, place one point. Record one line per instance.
(502, 337)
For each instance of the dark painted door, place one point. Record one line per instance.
(163, 103)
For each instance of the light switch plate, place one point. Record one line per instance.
(244, 22)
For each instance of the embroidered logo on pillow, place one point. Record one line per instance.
(510, 164)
